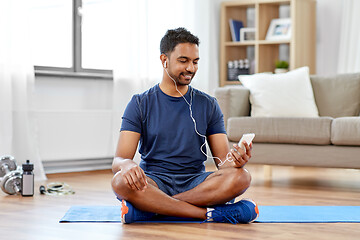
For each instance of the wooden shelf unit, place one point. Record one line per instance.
(301, 46)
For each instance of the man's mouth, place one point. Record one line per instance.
(187, 76)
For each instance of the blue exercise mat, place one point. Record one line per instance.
(308, 214)
(268, 214)
(111, 214)
(93, 214)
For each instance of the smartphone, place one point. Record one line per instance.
(247, 137)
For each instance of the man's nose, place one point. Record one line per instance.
(191, 67)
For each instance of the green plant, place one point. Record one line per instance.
(282, 64)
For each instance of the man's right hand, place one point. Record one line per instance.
(133, 175)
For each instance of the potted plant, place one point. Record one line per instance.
(281, 66)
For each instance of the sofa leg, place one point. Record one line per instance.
(267, 172)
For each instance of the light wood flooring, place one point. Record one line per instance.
(38, 217)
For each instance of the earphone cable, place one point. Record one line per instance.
(228, 155)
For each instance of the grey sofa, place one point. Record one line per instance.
(330, 140)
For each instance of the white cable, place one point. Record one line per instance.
(58, 188)
(228, 155)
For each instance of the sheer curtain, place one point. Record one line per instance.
(17, 125)
(144, 22)
(349, 51)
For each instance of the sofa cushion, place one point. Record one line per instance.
(233, 101)
(337, 96)
(346, 131)
(306, 155)
(281, 95)
(281, 130)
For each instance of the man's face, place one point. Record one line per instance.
(183, 63)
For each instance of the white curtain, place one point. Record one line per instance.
(138, 65)
(17, 125)
(349, 51)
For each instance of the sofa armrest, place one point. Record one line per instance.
(233, 101)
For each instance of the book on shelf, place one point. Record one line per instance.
(235, 26)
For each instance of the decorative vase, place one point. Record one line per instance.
(281, 70)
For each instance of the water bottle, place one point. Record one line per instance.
(27, 180)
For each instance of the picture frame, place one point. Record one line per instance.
(279, 29)
(247, 34)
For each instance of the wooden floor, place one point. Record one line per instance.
(38, 217)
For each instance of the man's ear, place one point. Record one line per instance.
(163, 59)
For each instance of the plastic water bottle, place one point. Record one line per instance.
(27, 180)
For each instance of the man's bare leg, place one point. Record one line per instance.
(218, 188)
(152, 199)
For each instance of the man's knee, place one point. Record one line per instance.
(246, 176)
(120, 188)
(241, 179)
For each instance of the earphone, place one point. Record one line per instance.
(228, 157)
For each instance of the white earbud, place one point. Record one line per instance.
(165, 64)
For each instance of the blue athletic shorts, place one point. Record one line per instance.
(172, 184)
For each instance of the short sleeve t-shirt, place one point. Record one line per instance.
(168, 139)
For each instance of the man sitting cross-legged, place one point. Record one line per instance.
(171, 121)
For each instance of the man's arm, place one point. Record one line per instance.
(219, 147)
(123, 162)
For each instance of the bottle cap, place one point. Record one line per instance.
(28, 166)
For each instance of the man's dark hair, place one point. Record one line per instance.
(175, 36)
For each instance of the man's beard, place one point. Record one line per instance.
(185, 82)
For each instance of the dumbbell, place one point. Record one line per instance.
(10, 175)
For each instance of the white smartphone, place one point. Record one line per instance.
(247, 137)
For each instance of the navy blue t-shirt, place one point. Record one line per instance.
(168, 142)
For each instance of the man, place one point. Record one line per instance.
(171, 121)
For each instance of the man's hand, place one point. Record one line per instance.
(124, 166)
(133, 175)
(239, 156)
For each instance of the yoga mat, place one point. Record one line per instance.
(111, 214)
(268, 214)
(92, 214)
(308, 214)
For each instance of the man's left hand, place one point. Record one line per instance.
(239, 156)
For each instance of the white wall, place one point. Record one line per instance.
(63, 93)
(74, 114)
(74, 118)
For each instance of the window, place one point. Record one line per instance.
(52, 33)
(97, 36)
(72, 35)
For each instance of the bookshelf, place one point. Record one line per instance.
(299, 51)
